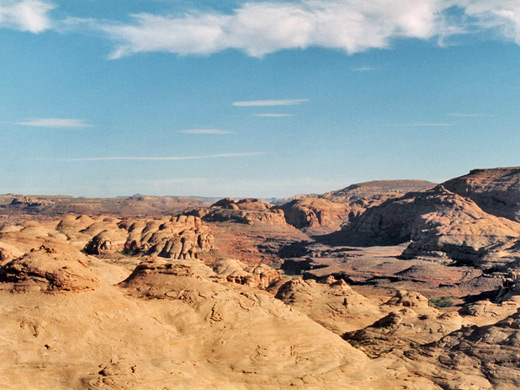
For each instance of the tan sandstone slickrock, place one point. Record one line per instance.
(331, 303)
(253, 275)
(410, 321)
(169, 326)
(172, 237)
(179, 237)
(46, 269)
(484, 358)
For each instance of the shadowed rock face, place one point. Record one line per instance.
(439, 223)
(496, 191)
(487, 355)
(30, 202)
(313, 212)
(332, 209)
(107, 241)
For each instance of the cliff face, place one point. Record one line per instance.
(376, 188)
(438, 223)
(314, 213)
(496, 191)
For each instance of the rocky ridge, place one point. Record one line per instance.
(438, 223)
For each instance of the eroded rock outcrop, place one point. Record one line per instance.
(247, 211)
(377, 189)
(410, 322)
(438, 223)
(315, 213)
(252, 275)
(181, 237)
(408, 299)
(486, 356)
(30, 202)
(46, 269)
(107, 241)
(331, 303)
(496, 191)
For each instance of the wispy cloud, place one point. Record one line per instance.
(466, 115)
(26, 15)
(429, 124)
(502, 16)
(363, 69)
(272, 115)
(55, 123)
(168, 158)
(270, 103)
(205, 131)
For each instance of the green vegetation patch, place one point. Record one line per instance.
(441, 302)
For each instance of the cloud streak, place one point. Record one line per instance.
(168, 158)
(272, 115)
(269, 103)
(466, 115)
(205, 131)
(363, 69)
(429, 124)
(26, 15)
(55, 123)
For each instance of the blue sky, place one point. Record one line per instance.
(236, 98)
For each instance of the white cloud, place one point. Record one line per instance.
(260, 28)
(168, 158)
(270, 103)
(205, 131)
(503, 16)
(55, 123)
(272, 115)
(26, 15)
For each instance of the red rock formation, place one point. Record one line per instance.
(313, 213)
(246, 211)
